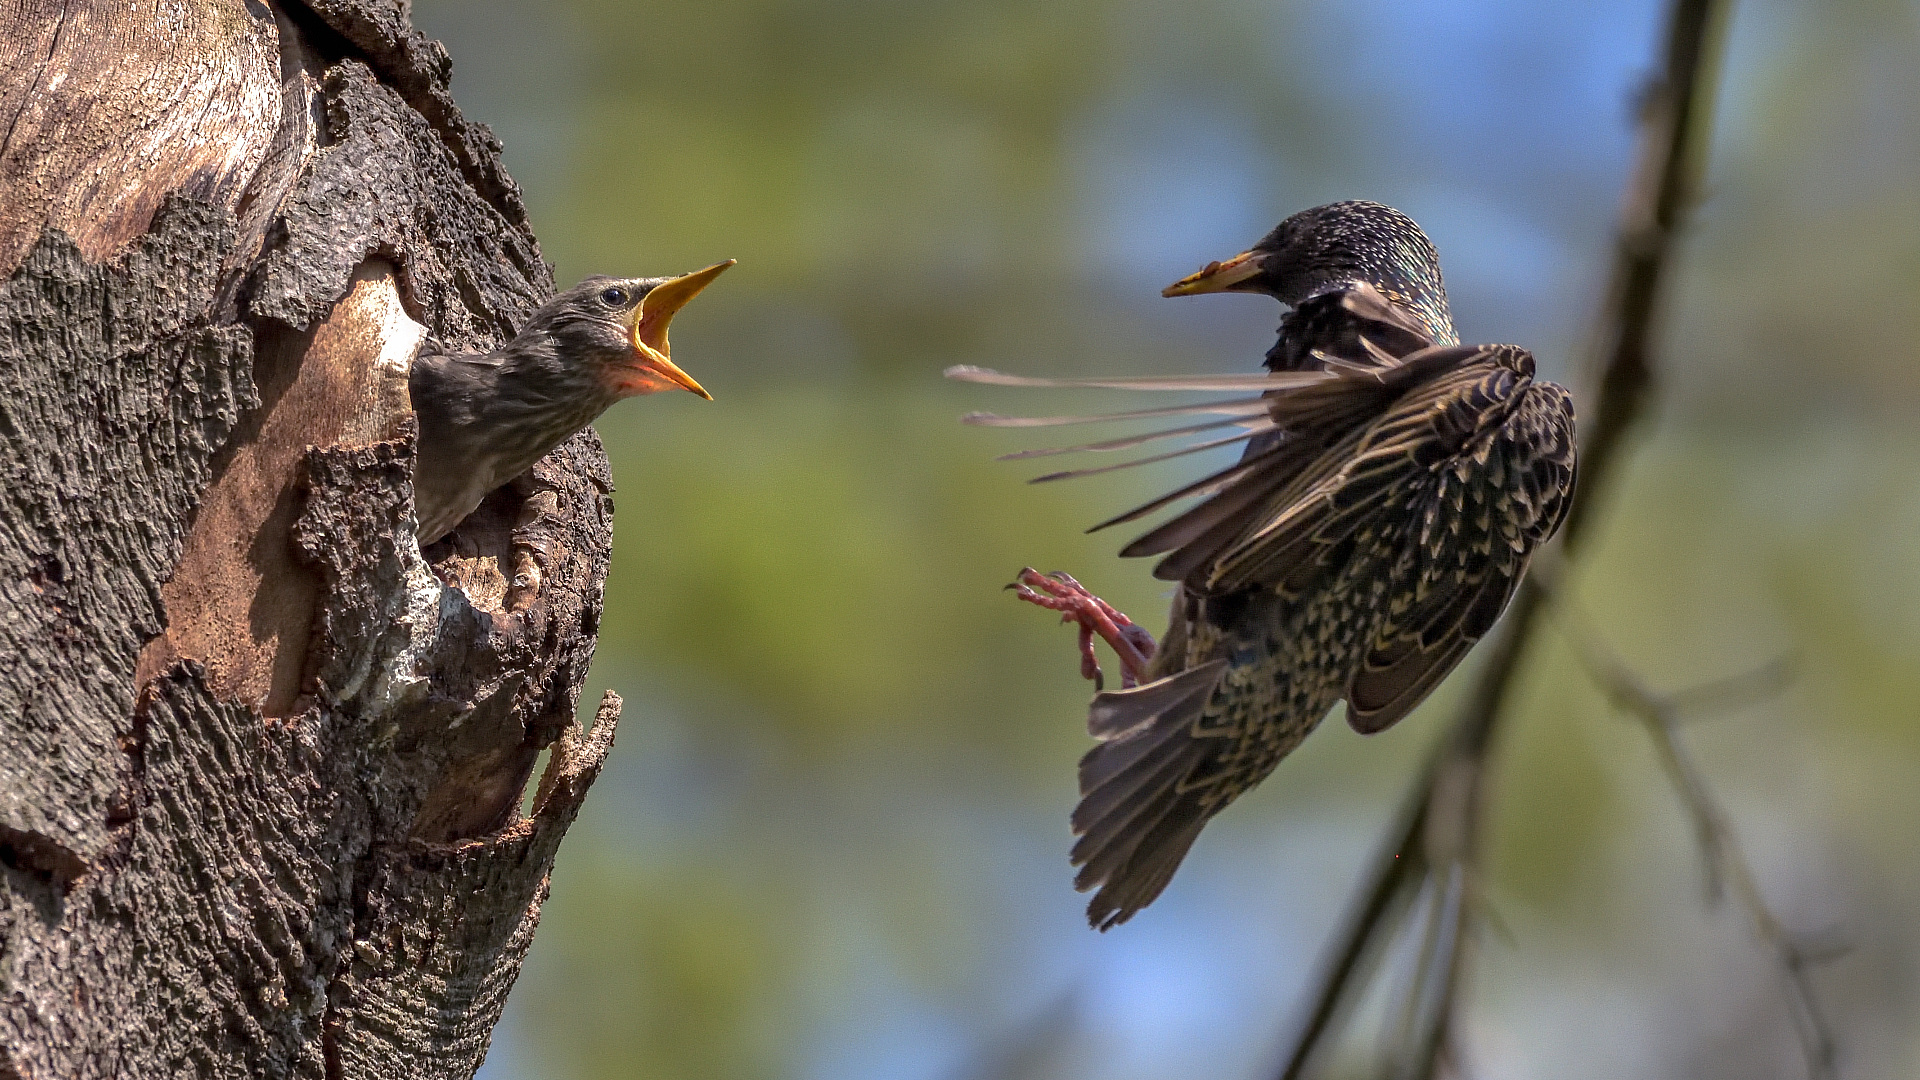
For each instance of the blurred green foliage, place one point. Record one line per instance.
(832, 840)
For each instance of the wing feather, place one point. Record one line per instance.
(1254, 406)
(1127, 442)
(1195, 448)
(1358, 481)
(1480, 520)
(1273, 380)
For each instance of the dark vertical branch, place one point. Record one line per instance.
(1675, 121)
(1396, 875)
(1442, 821)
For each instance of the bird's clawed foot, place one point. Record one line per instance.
(1059, 592)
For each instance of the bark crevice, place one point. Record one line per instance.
(382, 34)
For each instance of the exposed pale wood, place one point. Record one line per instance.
(107, 106)
(238, 602)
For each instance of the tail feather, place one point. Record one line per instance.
(1150, 869)
(1113, 819)
(1113, 855)
(1136, 819)
(1119, 712)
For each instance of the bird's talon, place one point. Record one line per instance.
(1058, 591)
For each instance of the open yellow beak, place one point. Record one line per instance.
(656, 311)
(1217, 276)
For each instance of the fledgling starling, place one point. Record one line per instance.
(1393, 487)
(485, 418)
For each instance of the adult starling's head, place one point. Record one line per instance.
(610, 334)
(1328, 245)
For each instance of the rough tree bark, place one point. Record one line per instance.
(261, 762)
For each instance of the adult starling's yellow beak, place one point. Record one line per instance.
(656, 310)
(1218, 276)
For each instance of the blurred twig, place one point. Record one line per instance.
(1436, 835)
(1726, 864)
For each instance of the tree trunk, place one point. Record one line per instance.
(261, 761)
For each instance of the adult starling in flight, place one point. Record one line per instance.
(1393, 487)
(486, 417)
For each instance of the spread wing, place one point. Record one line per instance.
(1476, 523)
(1452, 467)
(1361, 339)
(1345, 452)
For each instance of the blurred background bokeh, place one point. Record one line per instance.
(832, 841)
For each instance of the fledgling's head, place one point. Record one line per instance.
(612, 332)
(1320, 248)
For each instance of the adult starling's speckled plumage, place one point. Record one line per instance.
(1393, 488)
(486, 417)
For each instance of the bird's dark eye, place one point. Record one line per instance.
(613, 296)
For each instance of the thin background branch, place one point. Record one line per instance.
(1726, 865)
(1431, 858)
